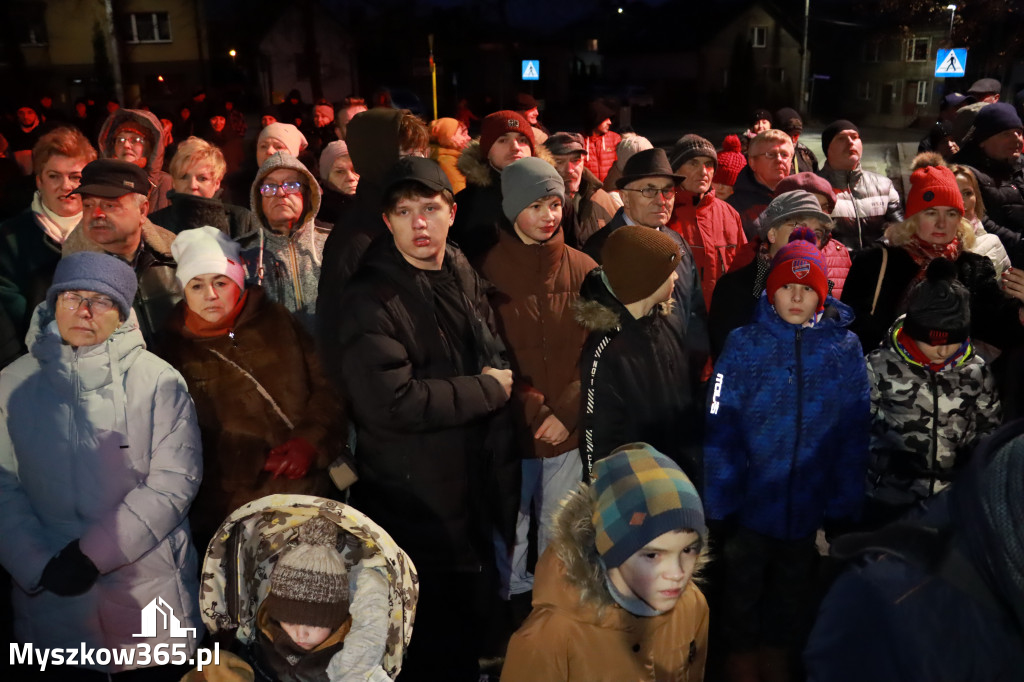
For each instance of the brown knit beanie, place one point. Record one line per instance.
(637, 260)
(309, 584)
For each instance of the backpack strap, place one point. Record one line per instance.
(881, 276)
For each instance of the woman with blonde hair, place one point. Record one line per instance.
(879, 279)
(987, 243)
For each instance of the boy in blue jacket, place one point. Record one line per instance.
(786, 449)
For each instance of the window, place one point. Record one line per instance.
(864, 90)
(758, 36)
(922, 92)
(775, 74)
(592, 45)
(870, 51)
(29, 23)
(918, 49)
(147, 27)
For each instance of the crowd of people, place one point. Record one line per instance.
(606, 410)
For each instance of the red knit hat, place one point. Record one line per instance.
(933, 186)
(730, 161)
(799, 262)
(500, 122)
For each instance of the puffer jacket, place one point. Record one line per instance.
(100, 444)
(750, 197)
(838, 261)
(787, 425)
(714, 232)
(866, 203)
(535, 287)
(578, 633)
(189, 211)
(990, 246)
(922, 421)
(159, 180)
(154, 265)
(287, 266)
(602, 151)
(240, 426)
(1001, 184)
(635, 382)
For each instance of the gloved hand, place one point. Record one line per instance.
(291, 459)
(70, 572)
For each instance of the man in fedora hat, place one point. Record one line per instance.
(648, 190)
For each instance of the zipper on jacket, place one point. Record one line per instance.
(934, 466)
(295, 275)
(799, 427)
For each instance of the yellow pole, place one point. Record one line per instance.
(433, 71)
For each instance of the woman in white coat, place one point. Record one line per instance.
(100, 458)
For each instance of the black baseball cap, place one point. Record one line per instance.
(111, 178)
(427, 172)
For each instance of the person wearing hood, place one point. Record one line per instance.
(616, 595)
(339, 181)
(255, 442)
(536, 280)
(711, 228)
(505, 136)
(785, 453)
(448, 137)
(31, 241)
(635, 373)
(137, 136)
(197, 170)
(100, 459)
(588, 207)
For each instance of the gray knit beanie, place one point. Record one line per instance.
(527, 180)
(99, 272)
(790, 205)
(689, 146)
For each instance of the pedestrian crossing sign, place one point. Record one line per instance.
(531, 69)
(951, 63)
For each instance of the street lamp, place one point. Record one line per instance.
(232, 54)
(952, 13)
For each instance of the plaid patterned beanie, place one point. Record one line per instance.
(309, 584)
(641, 494)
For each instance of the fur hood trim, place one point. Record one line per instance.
(154, 236)
(597, 309)
(478, 171)
(146, 120)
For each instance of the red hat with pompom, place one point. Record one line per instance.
(730, 161)
(933, 186)
(799, 262)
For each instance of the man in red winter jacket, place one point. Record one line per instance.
(600, 143)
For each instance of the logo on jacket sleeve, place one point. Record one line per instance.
(719, 380)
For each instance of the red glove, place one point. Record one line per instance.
(291, 459)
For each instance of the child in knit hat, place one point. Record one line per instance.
(785, 453)
(615, 597)
(932, 398)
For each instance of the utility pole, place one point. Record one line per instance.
(115, 57)
(804, 60)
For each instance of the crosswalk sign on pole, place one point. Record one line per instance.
(531, 69)
(951, 63)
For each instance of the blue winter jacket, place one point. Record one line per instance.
(788, 418)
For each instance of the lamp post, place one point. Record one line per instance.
(232, 54)
(952, 13)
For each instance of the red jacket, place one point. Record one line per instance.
(601, 153)
(713, 230)
(837, 258)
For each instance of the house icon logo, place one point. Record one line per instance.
(158, 615)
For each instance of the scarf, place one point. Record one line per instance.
(924, 253)
(198, 328)
(908, 347)
(56, 227)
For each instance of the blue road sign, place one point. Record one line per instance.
(951, 63)
(531, 69)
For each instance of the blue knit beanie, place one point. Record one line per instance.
(99, 272)
(641, 494)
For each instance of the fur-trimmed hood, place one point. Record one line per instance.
(148, 121)
(599, 311)
(478, 170)
(155, 237)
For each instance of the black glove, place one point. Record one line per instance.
(69, 573)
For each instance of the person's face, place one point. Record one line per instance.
(269, 146)
(46, 101)
(723, 192)
(198, 179)
(461, 137)
(130, 145)
(967, 192)
(185, 113)
(937, 225)
(217, 123)
(212, 297)
(59, 177)
(771, 162)
(537, 222)
(649, 211)
(89, 322)
(698, 172)
(307, 637)
(80, 109)
(114, 223)
(658, 572)
(778, 236)
(343, 177)
(531, 116)
(1004, 146)
(937, 354)
(508, 148)
(824, 202)
(795, 303)
(322, 119)
(27, 117)
(570, 167)
(266, 120)
(420, 227)
(283, 211)
(761, 125)
(845, 150)
(604, 126)
(112, 107)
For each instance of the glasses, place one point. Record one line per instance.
(775, 156)
(96, 304)
(651, 192)
(284, 189)
(129, 139)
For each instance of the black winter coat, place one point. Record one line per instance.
(1001, 185)
(28, 258)
(435, 451)
(733, 303)
(188, 212)
(635, 383)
